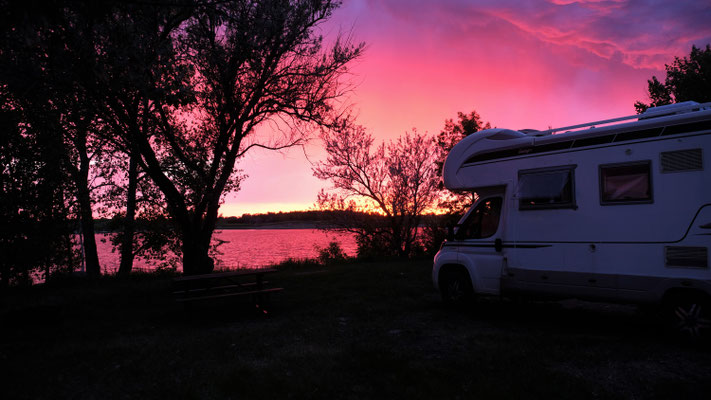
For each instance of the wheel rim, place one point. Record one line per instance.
(692, 320)
(455, 290)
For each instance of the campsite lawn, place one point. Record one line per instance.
(359, 330)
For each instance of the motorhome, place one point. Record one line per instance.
(616, 210)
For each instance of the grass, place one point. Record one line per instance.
(351, 331)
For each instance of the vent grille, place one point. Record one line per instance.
(684, 160)
(686, 257)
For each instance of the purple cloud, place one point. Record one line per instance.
(642, 34)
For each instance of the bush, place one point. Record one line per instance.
(296, 263)
(374, 244)
(434, 232)
(333, 253)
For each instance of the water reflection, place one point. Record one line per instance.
(249, 248)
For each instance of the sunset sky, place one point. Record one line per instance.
(519, 64)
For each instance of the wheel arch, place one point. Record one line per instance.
(452, 269)
(676, 292)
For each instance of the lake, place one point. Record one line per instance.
(249, 248)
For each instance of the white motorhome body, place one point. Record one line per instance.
(615, 210)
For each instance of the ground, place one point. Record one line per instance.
(354, 331)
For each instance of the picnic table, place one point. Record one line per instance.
(249, 283)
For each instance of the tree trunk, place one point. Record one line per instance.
(93, 269)
(195, 252)
(129, 225)
(81, 180)
(397, 243)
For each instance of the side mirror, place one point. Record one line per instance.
(450, 233)
(498, 245)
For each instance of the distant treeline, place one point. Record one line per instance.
(316, 218)
(320, 219)
(323, 218)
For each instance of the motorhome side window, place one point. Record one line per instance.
(629, 183)
(547, 188)
(483, 222)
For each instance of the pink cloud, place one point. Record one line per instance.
(643, 32)
(594, 4)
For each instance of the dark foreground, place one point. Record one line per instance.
(355, 331)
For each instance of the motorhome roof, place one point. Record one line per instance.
(668, 110)
(494, 144)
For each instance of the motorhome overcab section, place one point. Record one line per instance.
(615, 210)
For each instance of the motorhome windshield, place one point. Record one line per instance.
(483, 221)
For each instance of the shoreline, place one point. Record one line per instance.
(275, 225)
(264, 226)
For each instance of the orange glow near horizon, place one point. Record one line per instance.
(237, 209)
(519, 64)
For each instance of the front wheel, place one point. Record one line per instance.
(689, 315)
(456, 288)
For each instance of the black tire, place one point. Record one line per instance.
(689, 315)
(456, 288)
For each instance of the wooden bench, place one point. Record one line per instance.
(249, 283)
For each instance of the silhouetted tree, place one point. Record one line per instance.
(127, 70)
(255, 62)
(451, 134)
(140, 225)
(38, 42)
(397, 180)
(687, 79)
(36, 233)
(184, 88)
(209, 78)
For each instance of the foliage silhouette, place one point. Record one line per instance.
(40, 54)
(452, 133)
(241, 64)
(686, 79)
(184, 88)
(397, 181)
(36, 234)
